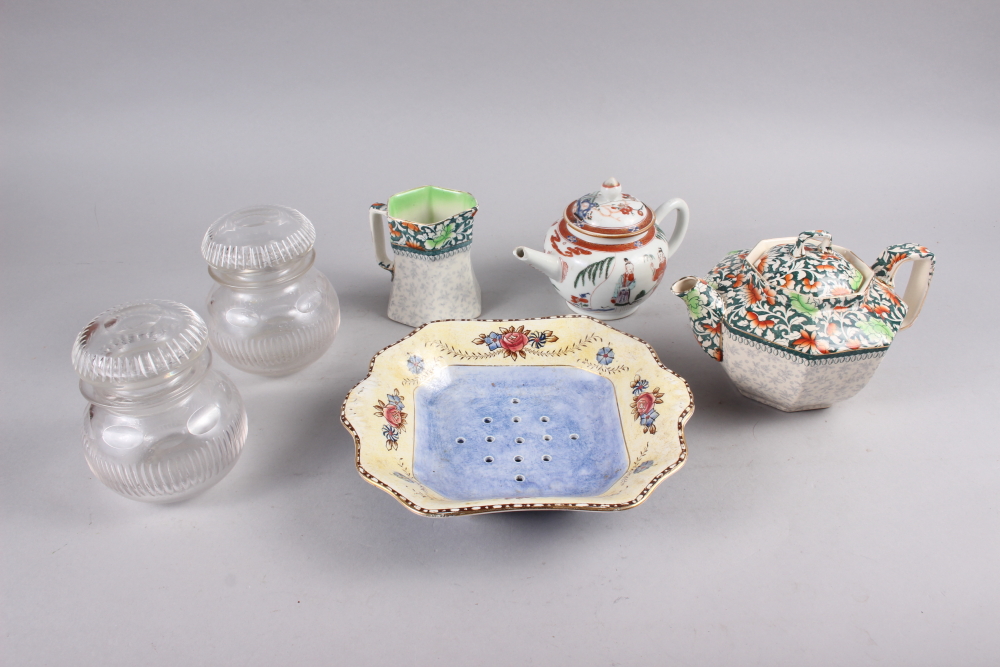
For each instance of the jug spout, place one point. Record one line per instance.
(705, 310)
(550, 265)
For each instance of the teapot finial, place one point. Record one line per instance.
(611, 191)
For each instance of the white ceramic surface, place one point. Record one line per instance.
(607, 253)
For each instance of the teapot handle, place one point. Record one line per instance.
(888, 263)
(680, 227)
(378, 217)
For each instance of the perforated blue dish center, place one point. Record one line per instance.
(517, 432)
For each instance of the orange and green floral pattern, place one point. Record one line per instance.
(803, 323)
(890, 259)
(808, 266)
(430, 240)
(812, 302)
(705, 313)
(799, 324)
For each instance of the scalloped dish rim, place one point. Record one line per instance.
(380, 431)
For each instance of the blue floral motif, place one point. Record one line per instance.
(639, 386)
(647, 419)
(492, 340)
(605, 356)
(538, 339)
(584, 206)
(415, 364)
(645, 465)
(391, 435)
(396, 400)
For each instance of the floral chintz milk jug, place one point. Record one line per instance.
(607, 253)
(430, 231)
(799, 323)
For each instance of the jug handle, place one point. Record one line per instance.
(888, 263)
(378, 217)
(680, 227)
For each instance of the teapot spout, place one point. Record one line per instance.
(705, 311)
(550, 265)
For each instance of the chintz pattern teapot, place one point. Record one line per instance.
(607, 253)
(799, 323)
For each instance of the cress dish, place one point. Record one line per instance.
(466, 417)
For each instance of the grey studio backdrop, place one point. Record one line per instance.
(865, 533)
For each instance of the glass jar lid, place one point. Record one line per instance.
(257, 237)
(609, 212)
(810, 265)
(139, 341)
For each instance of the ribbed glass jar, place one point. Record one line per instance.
(272, 312)
(161, 425)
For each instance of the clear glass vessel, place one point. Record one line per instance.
(272, 312)
(161, 425)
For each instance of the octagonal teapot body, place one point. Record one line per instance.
(799, 323)
(607, 253)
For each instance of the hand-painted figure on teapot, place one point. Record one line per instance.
(607, 253)
(799, 323)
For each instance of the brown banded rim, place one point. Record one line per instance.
(608, 232)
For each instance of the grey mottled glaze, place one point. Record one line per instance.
(437, 288)
(791, 383)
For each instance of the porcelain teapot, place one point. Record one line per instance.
(607, 253)
(799, 323)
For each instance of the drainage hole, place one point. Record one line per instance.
(519, 478)
(517, 419)
(488, 459)
(515, 401)
(490, 438)
(518, 459)
(574, 437)
(519, 440)
(546, 438)
(546, 458)
(460, 441)
(545, 419)
(487, 420)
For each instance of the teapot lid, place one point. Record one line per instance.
(810, 265)
(609, 212)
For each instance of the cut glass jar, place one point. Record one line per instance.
(272, 312)
(161, 424)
